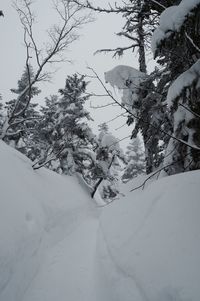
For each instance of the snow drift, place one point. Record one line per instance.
(149, 242)
(36, 211)
(54, 246)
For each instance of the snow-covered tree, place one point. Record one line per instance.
(178, 34)
(135, 160)
(64, 130)
(103, 128)
(59, 38)
(106, 171)
(41, 141)
(23, 114)
(145, 109)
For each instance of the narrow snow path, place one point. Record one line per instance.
(68, 269)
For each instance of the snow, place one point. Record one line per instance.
(171, 20)
(38, 209)
(63, 279)
(125, 76)
(151, 249)
(56, 244)
(186, 79)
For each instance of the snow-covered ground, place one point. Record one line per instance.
(55, 244)
(38, 210)
(150, 240)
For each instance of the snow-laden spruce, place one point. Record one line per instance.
(178, 51)
(171, 20)
(185, 80)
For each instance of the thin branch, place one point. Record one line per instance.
(61, 38)
(139, 118)
(96, 95)
(195, 114)
(111, 9)
(192, 42)
(118, 51)
(122, 114)
(23, 121)
(121, 126)
(159, 4)
(56, 156)
(102, 106)
(119, 140)
(154, 173)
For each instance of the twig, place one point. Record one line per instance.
(153, 174)
(195, 114)
(139, 118)
(159, 4)
(192, 42)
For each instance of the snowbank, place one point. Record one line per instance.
(171, 20)
(36, 211)
(147, 247)
(149, 242)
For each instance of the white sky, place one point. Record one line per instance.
(96, 35)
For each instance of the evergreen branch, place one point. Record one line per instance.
(49, 160)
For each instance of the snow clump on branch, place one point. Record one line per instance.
(123, 77)
(171, 20)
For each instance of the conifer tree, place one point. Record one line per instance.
(141, 18)
(103, 128)
(42, 139)
(68, 138)
(174, 36)
(135, 160)
(107, 167)
(26, 115)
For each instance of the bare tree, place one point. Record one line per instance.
(60, 38)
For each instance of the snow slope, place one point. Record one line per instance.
(55, 244)
(38, 209)
(151, 249)
(68, 269)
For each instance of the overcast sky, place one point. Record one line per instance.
(96, 35)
